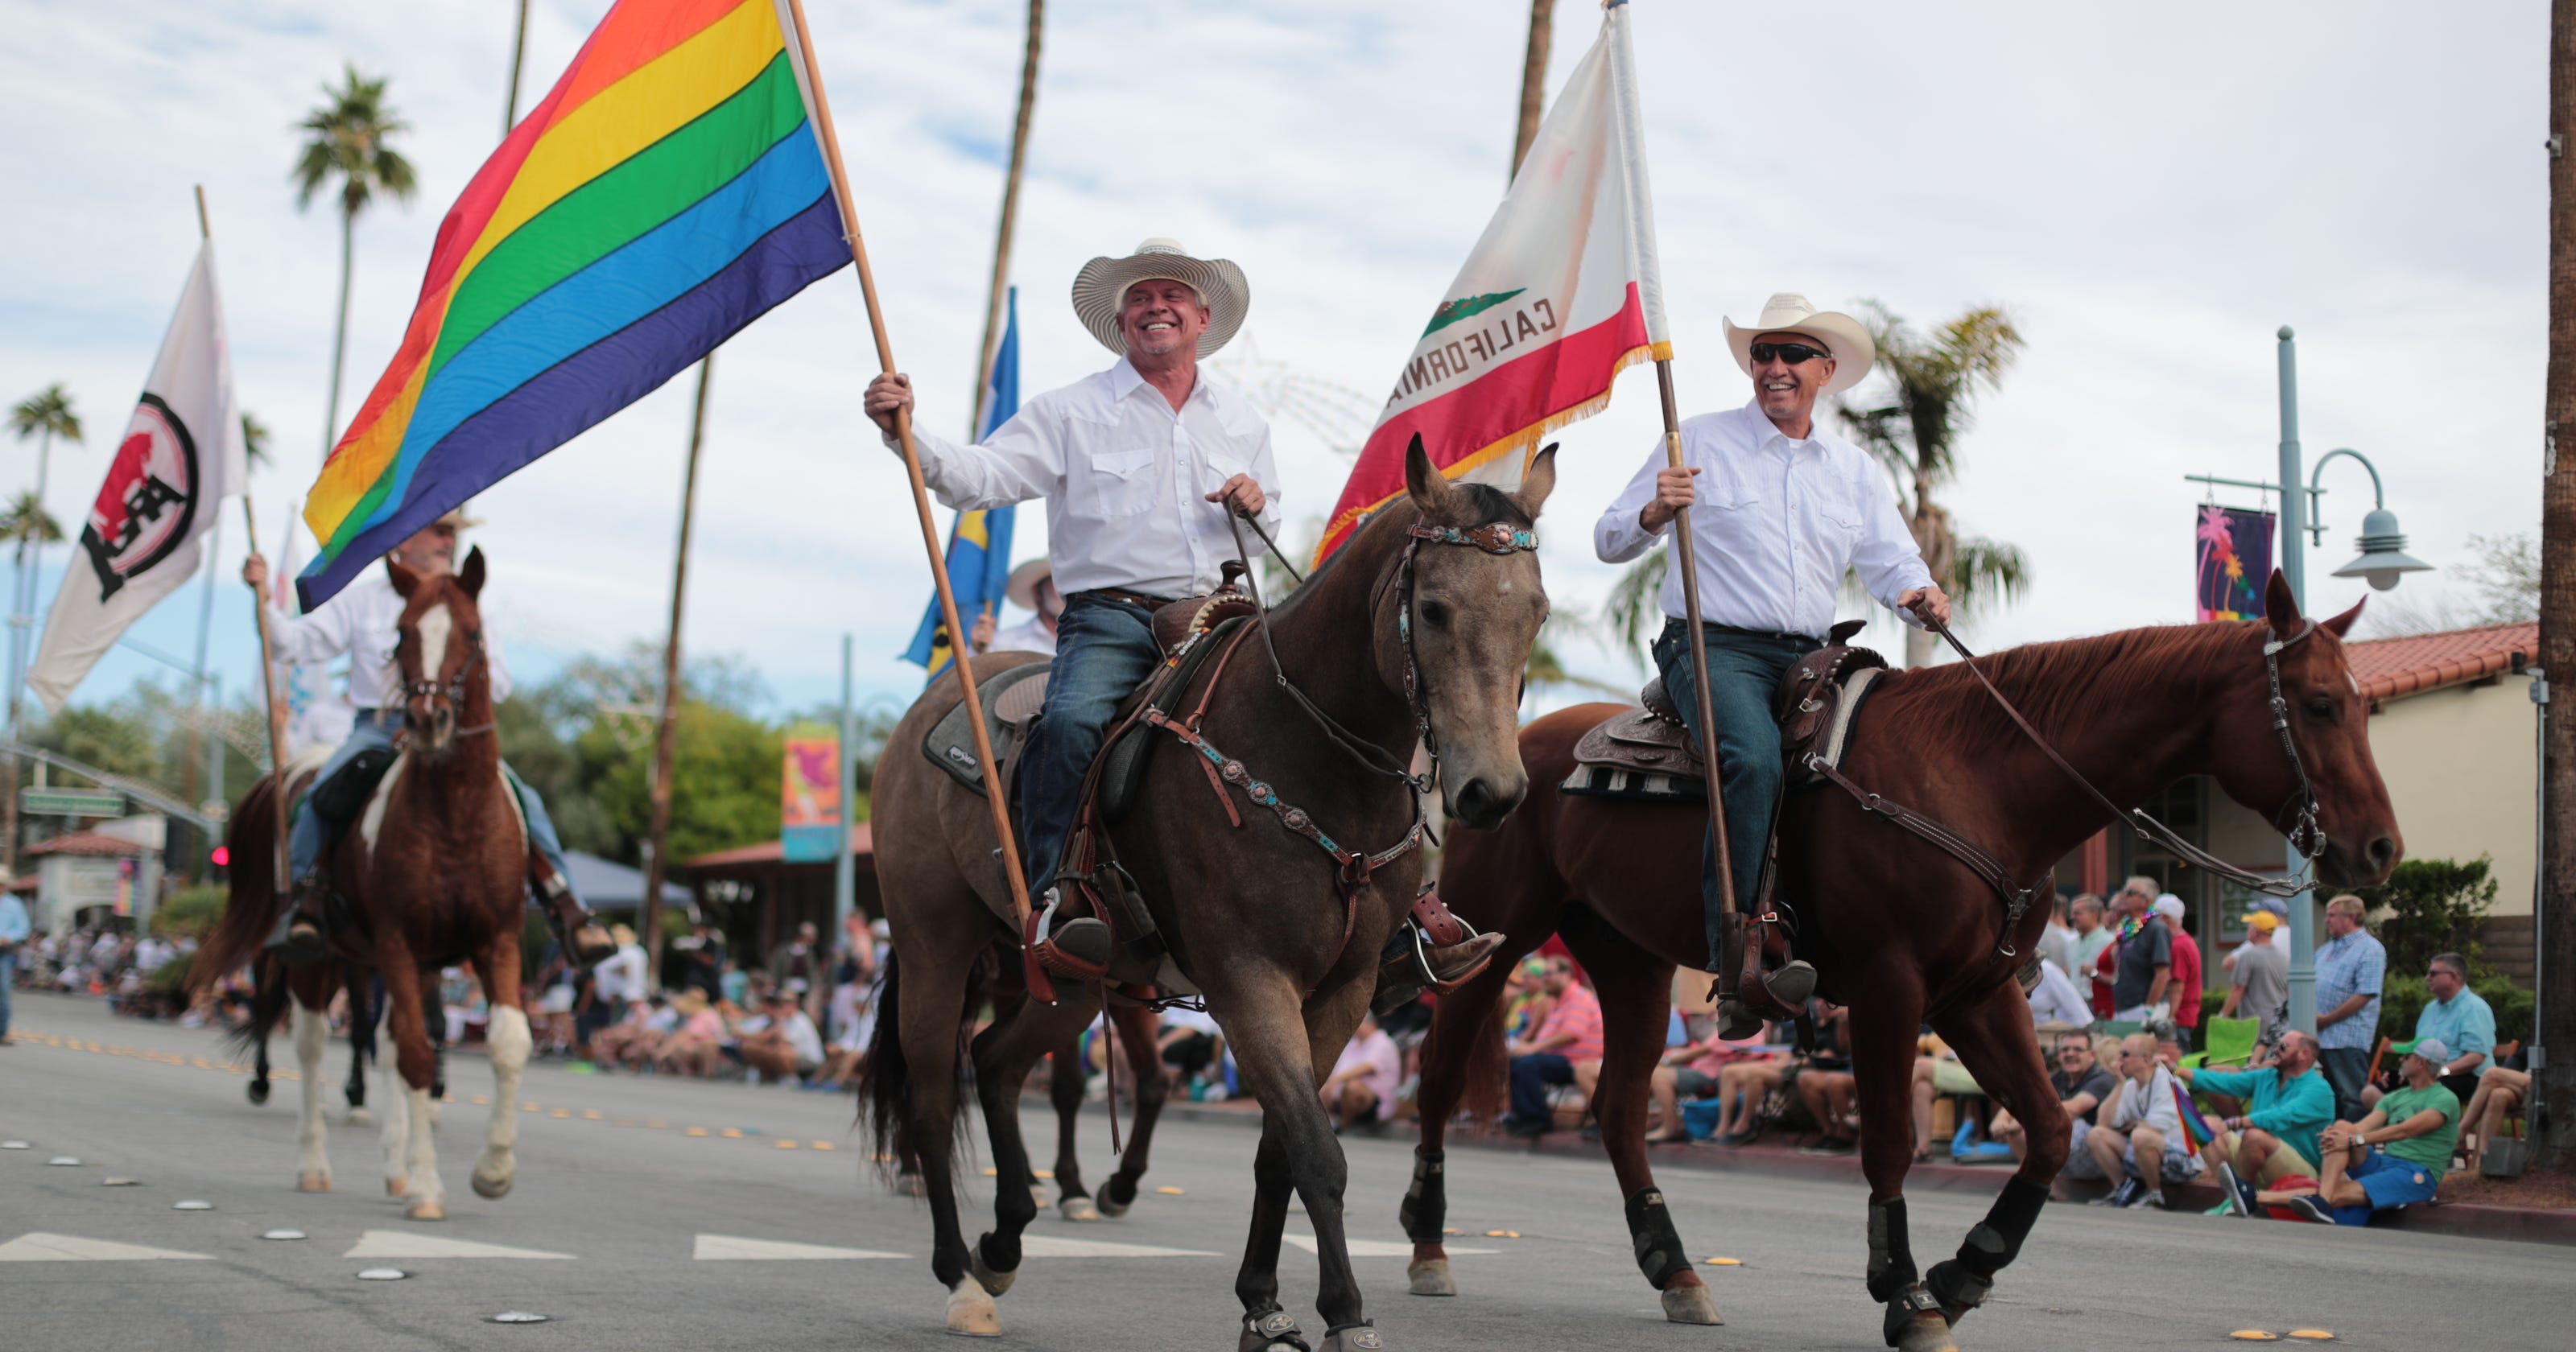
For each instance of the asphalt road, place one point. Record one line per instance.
(633, 1212)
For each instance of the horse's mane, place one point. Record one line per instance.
(2058, 683)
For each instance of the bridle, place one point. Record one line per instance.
(451, 691)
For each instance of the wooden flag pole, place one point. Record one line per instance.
(1686, 559)
(920, 489)
(276, 725)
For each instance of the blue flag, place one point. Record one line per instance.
(979, 545)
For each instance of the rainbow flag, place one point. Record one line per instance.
(2194, 1125)
(667, 192)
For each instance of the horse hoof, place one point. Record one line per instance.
(396, 1187)
(1690, 1305)
(1038, 1195)
(1927, 1332)
(1430, 1277)
(1080, 1208)
(971, 1313)
(317, 1180)
(994, 1283)
(426, 1209)
(360, 1117)
(493, 1188)
(910, 1185)
(1357, 1338)
(258, 1091)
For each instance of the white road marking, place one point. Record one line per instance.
(407, 1244)
(1373, 1248)
(39, 1247)
(712, 1248)
(1048, 1246)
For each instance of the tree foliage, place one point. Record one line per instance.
(46, 413)
(349, 138)
(2431, 906)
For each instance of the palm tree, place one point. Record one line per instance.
(27, 522)
(1932, 380)
(254, 439)
(348, 139)
(46, 414)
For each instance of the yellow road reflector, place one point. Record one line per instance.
(734, 1132)
(527, 1107)
(1043, 1173)
(2255, 1336)
(592, 1115)
(1169, 1191)
(787, 1145)
(560, 1112)
(823, 1145)
(1502, 1234)
(988, 1173)
(1723, 1262)
(2314, 1335)
(1453, 1230)
(483, 1100)
(697, 1131)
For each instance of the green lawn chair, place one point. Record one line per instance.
(2229, 1042)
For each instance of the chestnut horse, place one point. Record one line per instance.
(1424, 618)
(434, 873)
(1900, 931)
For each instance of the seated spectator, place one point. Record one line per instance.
(1189, 1042)
(2460, 1019)
(2498, 1100)
(1690, 1069)
(1937, 1074)
(696, 1045)
(1546, 1057)
(1825, 1086)
(2082, 1085)
(1741, 1089)
(2289, 1104)
(2140, 1141)
(2055, 999)
(2418, 1123)
(1361, 1090)
(789, 1047)
(630, 1040)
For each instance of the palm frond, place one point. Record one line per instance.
(350, 139)
(1634, 611)
(1987, 573)
(254, 439)
(27, 522)
(48, 410)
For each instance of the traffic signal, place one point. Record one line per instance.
(218, 861)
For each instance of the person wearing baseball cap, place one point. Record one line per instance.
(2393, 1157)
(2260, 987)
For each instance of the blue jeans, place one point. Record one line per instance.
(8, 978)
(1745, 671)
(310, 835)
(1104, 649)
(1531, 1077)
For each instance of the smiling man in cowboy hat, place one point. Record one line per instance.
(1788, 507)
(1139, 465)
(361, 622)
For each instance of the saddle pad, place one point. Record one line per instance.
(1837, 738)
(950, 743)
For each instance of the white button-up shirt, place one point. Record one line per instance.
(361, 622)
(1125, 478)
(1776, 523)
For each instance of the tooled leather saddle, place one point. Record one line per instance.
(1648, 753)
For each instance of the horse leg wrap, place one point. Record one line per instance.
(1426, 1202)
(1891, 1258)
(1910, 1302)
(1657, 1243)
(1961, 1283)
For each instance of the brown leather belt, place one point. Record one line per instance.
(1121, 594)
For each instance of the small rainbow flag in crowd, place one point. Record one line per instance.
(2194, 1125)
(667, 192)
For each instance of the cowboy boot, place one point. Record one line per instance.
(1076, 946)
(298, 938)
(576, 930)
(1779, 994)
(1402, 967)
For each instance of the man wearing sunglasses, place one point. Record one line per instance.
(1784, 508)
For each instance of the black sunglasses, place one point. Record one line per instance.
(1792, 353)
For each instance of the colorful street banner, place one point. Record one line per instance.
(665, 194)
(180, 457)
(1562, 293)
(2234, 562)
(979, 545)
(809, 804)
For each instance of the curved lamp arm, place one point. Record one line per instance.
(2378, 495)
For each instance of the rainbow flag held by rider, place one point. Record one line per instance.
(979, 545)
(667, 192)
(1561, 294)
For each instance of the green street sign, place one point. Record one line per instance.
(71, 802)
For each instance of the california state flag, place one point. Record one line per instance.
(1560, 295)
(179, 458)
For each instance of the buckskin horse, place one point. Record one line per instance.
(1420, 626)
(434, 873)
(1900, 931)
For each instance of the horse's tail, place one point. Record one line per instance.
(886, 1081)
(250, 912)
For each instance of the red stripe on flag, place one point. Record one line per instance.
(1510, 406)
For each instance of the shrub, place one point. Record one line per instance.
(191, 913)
(2431, 906)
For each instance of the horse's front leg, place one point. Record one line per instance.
(1998, 1045)
(362, 1048)
(1004, 1054)
(312, 1036)
(1066, 1083)
(1282, 1058)
(510, 1041)
(425, 1197)
(1136, 1037)
(1882, 1032)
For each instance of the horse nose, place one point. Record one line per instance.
(2382, 851)
(1482, 805)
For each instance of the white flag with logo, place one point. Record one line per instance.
(179, 458)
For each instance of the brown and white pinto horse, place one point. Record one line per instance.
(1900, 932)
(434, 873)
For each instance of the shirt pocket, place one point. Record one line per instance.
(1727, 486)
(1122, 482)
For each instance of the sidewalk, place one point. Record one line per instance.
(2540, 1225)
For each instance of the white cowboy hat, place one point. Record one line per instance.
(1022, 588)
(1103, 282)
(1789, 312)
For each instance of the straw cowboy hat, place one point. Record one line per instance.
(1789, 312)
(1103, 283)
(1022, 588)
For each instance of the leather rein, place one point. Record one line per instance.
(2300, 808)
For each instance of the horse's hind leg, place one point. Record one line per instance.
(1463, 1046)
(1003, 1055)
(425, 1197)
(1136, 1034)
(1067, 1078)
(1998, 1045)
(1636, 1005)
(510, 1041)
(1882, 1034)
(913, 1078)
(1281, 1058)
(312, 1037)
(362, 1048)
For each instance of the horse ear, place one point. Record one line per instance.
(2342, 624)
(470, 577)
(1423, 480)
(1537, 481)
(405, 580)
(2279, 607)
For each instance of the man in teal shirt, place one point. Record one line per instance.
(2276, 1137)
(2418, 1124)
(2459, 1019)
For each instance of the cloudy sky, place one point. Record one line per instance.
(2152, 191)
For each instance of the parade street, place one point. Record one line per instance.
(665, 1213)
